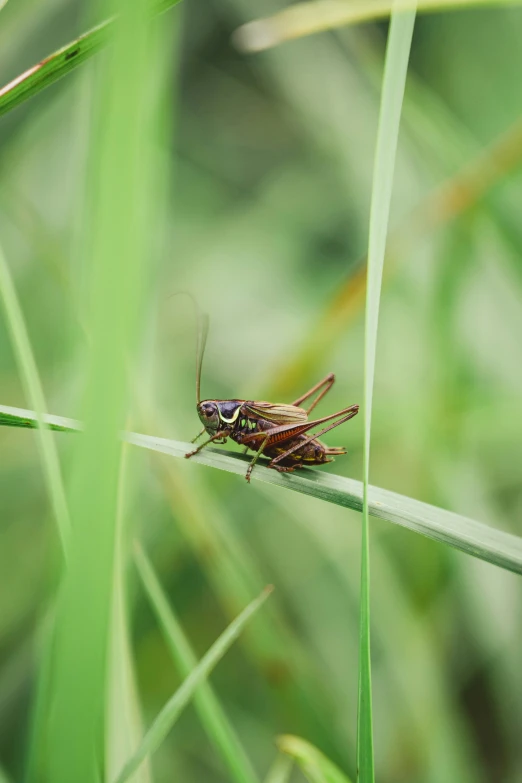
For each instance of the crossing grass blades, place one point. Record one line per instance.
(276, 430)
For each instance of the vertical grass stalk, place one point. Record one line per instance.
(395, 69)
(120, 163)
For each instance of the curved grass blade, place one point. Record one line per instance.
(307, 18)
(34, 391)
(314, 764)
(211, 714)
(174, 707)
(62, 62)
(394, 81)
(467, 535)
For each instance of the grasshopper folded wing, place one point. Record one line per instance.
(278, 413)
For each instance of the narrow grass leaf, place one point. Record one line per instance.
(124, 724)
(314, 764)
(19, 417)
(174, 707)
(474, 538)
(395, 69)
(35, 394)
(303, 19)
(63, 61)
(211, 714)
(280, 770)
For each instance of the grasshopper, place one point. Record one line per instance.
(275, 430)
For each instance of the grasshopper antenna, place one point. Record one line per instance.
(202, 341)
(202, 327)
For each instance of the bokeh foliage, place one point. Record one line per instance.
(262, 212)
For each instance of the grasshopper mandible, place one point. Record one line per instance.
(275, 430)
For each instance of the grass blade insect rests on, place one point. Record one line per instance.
(474, 538)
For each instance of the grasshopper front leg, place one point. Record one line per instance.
(198, 436)
(217, 436)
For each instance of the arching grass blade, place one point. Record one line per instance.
(468, 535)
(301, 19)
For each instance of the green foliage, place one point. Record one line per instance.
(258, 205)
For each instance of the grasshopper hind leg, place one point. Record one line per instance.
(287, 468)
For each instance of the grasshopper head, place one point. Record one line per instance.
(208, 413)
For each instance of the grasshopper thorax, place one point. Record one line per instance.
(216, 415)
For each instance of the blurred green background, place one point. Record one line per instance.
(267, 164)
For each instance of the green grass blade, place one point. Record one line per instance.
(211, 714)
(314, 764)
(121, 166)
(35, 394)
(18, 417)
(62, 62)
(395, 69)
(280, 770)
(311, 17)
(469, 536)
(174, 707)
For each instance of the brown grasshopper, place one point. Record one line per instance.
(276, 430)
